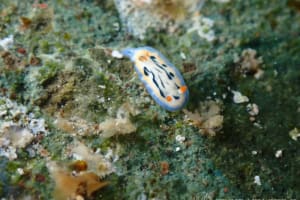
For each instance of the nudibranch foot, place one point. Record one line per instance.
(162, 79)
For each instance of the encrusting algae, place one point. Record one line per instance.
(249, 64)
(63, 84)
(74, 186)
(207, 118)
(95, 161)
(120, 125)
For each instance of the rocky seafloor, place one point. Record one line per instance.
(77, 123)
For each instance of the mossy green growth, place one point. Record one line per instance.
(48, 72)
(13, 80)
(104, 95)
(243, 142)
(45, 46)
(150, 149)
(34, 176)
(82, 67)
(95, 89)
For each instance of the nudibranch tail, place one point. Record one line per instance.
(162, 79)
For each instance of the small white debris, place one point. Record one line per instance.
(252, 119)
(77, 156)
(7, 42)
(109, 155)
(257, 125)
(259, 74)
(20, 171)
(177, 149)
(180, 138)
(147, 1)
(182, 55)
(116, 54)
(79, 197)
(3, 112)
(238, 97)
(294, 134)
(254, 153)
(252, 109)
(257, 180)
(278, 153)
(102, 86)
(221, 1)
(116, 26)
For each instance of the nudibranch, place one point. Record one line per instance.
(161, 78)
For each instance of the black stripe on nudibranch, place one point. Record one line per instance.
(162, 94)
(176, 97)
(170, 75)
(147, 72)
(161, 82)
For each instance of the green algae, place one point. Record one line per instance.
(278, 114)
(48, 72)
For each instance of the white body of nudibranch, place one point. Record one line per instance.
(162, 79)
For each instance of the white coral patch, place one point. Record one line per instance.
(7, 43)
(294, 134)
(257, 180)
(37, 126)
(252, 109)
(180, 138)
(238, 97)
(278, 153)
(203, 26)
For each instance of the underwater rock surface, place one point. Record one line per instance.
(73, 111)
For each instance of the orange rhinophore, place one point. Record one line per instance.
(169, 98)
(183, 89)
(143, 58)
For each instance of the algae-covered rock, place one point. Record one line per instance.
(74, 100)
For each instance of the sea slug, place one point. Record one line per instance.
(162, 79)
